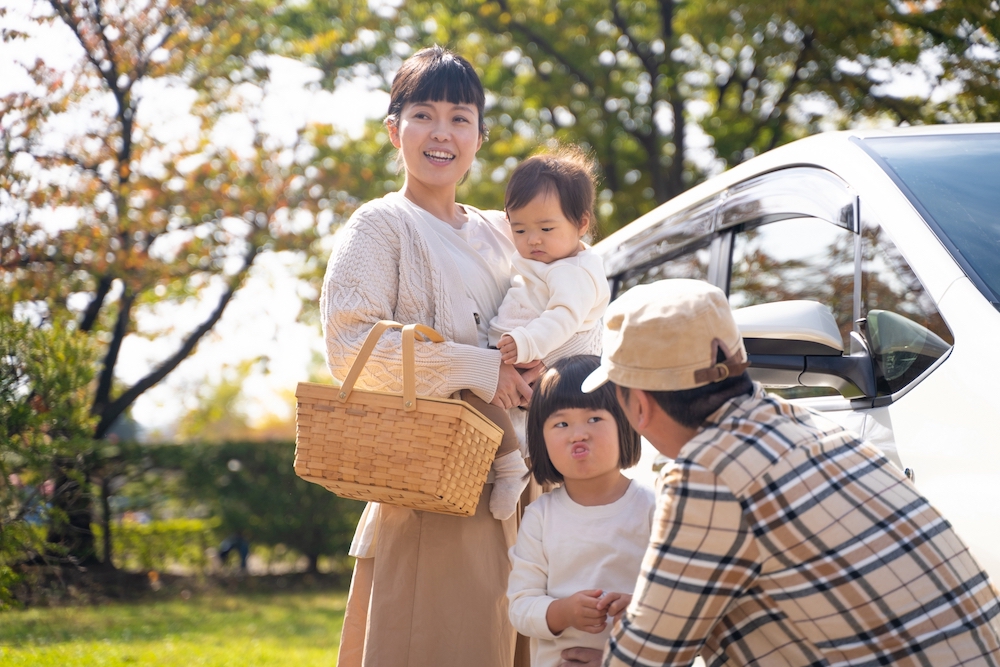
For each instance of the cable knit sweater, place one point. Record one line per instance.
(385, 265)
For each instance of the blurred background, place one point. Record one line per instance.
(172, 173)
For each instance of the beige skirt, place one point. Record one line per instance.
(436, 592)
(458, 614)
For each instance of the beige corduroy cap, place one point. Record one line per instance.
(667, 336)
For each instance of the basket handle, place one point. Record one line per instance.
(410, 332)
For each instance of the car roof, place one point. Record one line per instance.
(808, 151)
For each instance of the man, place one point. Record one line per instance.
(780, 538)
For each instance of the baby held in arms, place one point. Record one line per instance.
(558, 293)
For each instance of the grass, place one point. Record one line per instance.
(204, 630)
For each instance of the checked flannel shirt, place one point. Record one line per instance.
(782, 539)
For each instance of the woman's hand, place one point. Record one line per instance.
(577, 611)
(581, 657)
(531, 370)
(512, 388)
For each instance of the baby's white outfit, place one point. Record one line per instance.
(563, 548)
(552, 311)
(547, 305)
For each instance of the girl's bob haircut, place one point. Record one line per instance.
(435, 74)
(559, 389)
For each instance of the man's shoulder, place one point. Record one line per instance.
(747, 438)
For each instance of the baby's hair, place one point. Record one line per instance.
(559, 389)
(568, 172)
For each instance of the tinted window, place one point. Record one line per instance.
(955, 181)
(663, 240)
(691, 263)
(788, 260)
(888, 285)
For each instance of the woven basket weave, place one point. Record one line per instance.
(422, 453)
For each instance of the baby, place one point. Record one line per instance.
(559, 292)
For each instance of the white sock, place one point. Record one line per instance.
(509, 480)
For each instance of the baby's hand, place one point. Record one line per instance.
(577, 611)
(614, 604)
(508, 349)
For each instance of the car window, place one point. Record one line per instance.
(662, 242)
(692, 262)
(802, 258)
(952, 181)
(904, 328)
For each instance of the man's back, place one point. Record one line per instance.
(785, 540)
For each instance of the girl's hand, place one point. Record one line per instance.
(577, 611)
(512, 389)
(614, 604)
(508, 349)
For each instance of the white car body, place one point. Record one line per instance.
(940, 427)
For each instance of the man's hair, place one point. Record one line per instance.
(567, 172)
(435, 74)
(691, 407)
(559, 389)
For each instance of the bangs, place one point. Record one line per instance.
(447, 81)
(559, 388)
(437, 75)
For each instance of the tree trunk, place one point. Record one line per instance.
(313, 564)
(109, 562)
(69, 526)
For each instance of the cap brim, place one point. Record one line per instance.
(594, 380)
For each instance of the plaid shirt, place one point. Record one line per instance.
(782, 539)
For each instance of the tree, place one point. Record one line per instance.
(146, 219)
(253, 490)
(641, 83)
(45, 373)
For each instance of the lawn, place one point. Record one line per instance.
(205, 630)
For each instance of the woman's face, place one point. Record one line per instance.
(438, 141)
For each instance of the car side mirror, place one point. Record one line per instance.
(798, 343)
(901, 348)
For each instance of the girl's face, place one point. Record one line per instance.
(582, 443)
(438, 142)
(542, 231)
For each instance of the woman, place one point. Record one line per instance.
(436, 583)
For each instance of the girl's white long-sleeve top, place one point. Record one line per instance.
(563, 548)
(548, 305)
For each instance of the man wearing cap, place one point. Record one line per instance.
(780, 538)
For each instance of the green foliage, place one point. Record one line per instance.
(211, 630)
(159, 544)
(252, 488)
(641, 84)
(45, 373)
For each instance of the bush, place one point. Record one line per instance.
(251, 488)
(158, 545)
(45, 428)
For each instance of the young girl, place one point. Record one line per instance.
(558, 293)
(579, 547)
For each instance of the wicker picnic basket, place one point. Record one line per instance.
(412, 451)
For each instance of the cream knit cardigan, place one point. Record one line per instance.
(386, 265)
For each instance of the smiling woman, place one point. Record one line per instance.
(430, 590)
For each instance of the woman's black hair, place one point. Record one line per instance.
(559, 389)
(435, 74)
